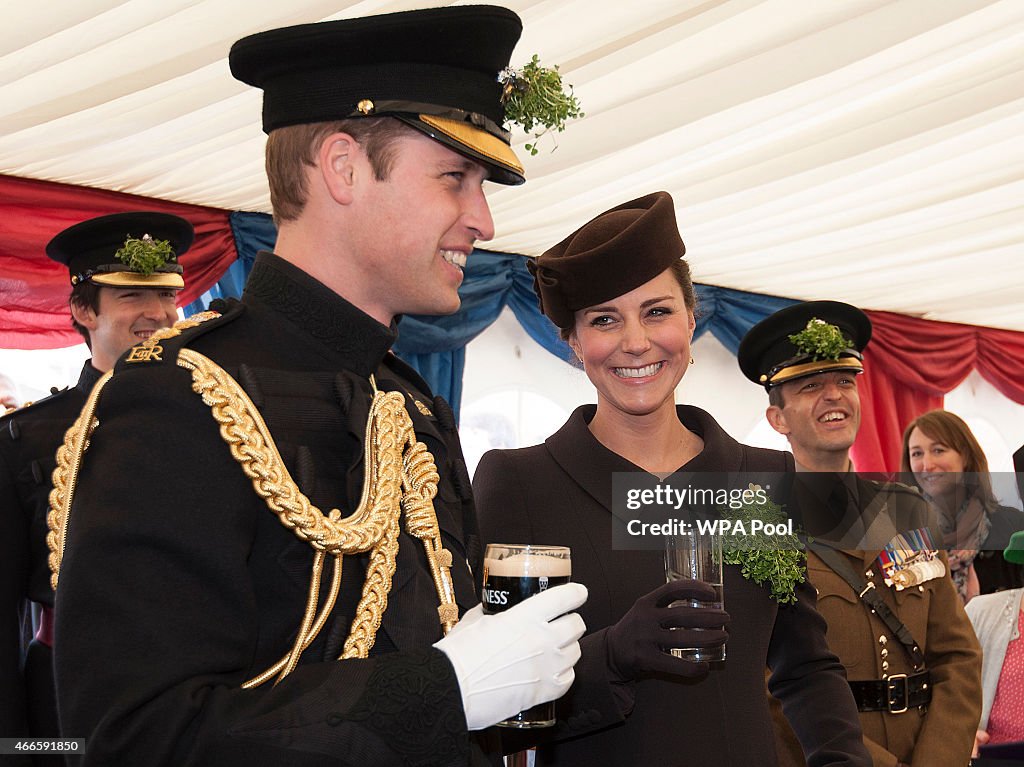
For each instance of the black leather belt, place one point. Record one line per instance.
(896, 694)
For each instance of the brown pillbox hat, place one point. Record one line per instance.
(612, 254)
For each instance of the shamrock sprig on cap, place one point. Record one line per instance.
(822, 340)
(144, 254)
(534, 96)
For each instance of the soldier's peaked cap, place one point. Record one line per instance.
(435, 69)
(90, 249)
(768, 357)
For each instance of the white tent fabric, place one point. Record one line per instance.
(861, 150)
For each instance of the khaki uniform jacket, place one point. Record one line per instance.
(943, 734)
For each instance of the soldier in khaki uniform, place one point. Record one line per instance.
(894, 617)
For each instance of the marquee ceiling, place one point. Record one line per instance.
(864, 150)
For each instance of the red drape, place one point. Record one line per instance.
(34, 290)
(910, 365)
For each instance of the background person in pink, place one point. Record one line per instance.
(998, 620)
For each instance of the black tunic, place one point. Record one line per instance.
(994, 572)
(29, 439)
(560, 493)
(178, 583)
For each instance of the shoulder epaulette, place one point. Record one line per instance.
(165, 343)
(54, 396)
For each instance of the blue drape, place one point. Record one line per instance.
(729, 314)
(436, 346)
(253, 232)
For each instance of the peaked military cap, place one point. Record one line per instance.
(98, 250)
(610, 255)
(831, 336)
(435, 69)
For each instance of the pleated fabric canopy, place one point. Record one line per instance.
(861, 150)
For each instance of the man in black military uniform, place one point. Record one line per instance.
(243, 466)
(114, 305)
(894, 617)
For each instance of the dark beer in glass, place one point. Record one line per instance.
(512, 573)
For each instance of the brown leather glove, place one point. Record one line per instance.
(637, 643)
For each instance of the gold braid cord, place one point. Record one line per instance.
(76, 442)
(69, 460)
(400, 473)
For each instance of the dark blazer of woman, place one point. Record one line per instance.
(561, 493)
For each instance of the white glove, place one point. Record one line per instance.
(510, 661)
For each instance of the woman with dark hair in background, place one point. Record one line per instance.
(623, 298)
(943, 458)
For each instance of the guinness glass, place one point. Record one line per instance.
(512, 573)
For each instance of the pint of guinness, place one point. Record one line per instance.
(512, 573)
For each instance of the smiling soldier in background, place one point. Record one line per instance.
(894, 617)
(124, 281)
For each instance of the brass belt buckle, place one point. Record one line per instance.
(890, 688)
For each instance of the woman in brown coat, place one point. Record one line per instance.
(621, 293)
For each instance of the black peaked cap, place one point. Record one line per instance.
(88, 248)
(766, 353)
(439, 63)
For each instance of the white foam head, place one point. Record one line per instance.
(533, 564)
